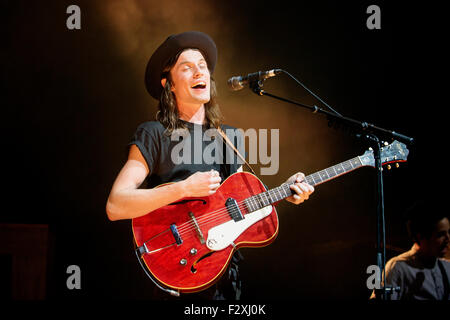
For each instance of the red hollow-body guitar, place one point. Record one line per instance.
(188, 245)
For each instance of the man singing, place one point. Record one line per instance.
(179, 76)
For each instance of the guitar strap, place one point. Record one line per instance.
(227, 141)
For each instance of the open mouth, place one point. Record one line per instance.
(199, 85)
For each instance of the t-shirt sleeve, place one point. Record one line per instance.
(146, 138)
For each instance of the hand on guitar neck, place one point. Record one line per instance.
(301, 188)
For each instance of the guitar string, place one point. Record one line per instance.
(225, 211)
(191, 234)
(188, 235)
(213, 216)
(218, 214)
(212, 213)
(273, 191)
(205, 216)
(271, 194)
(210, 216)
(212, 219)
(186, 228)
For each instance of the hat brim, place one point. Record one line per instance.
(170, 48)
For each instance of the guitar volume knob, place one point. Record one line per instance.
(193, 251)
(183, 262)
(211, 243)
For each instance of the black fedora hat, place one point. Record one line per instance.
(171, 47)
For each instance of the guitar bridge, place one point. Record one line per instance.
(197, 228)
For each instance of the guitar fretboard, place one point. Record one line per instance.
(271, 196)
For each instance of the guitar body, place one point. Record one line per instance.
(188, 245)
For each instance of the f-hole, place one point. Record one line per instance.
(189, 200)
(206, 255)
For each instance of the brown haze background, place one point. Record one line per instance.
(72, 100)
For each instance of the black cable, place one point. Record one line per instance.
(312, 93)
(172, 292)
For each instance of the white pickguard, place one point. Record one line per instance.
(223, 235)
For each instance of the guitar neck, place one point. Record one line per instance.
(271, 196)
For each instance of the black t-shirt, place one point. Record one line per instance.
(176, 156)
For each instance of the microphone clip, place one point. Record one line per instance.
(256, 84)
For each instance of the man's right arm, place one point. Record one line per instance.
(127, 201)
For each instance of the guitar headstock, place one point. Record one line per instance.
(390, 153)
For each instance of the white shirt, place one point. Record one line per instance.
(418, 281)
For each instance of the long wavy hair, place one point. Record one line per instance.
(168, 113)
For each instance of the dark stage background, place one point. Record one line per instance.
(72, 99)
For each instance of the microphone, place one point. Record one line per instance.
(238, 82)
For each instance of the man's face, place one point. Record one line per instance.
(191, 78)
(438, 244)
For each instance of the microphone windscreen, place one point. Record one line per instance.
(235, 84)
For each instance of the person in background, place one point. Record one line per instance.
(422, 273)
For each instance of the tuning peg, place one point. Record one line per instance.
(397, 165)
(389, 167)
(385, 143)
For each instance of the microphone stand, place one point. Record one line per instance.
(373, 134)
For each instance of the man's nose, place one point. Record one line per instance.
(197, 72)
